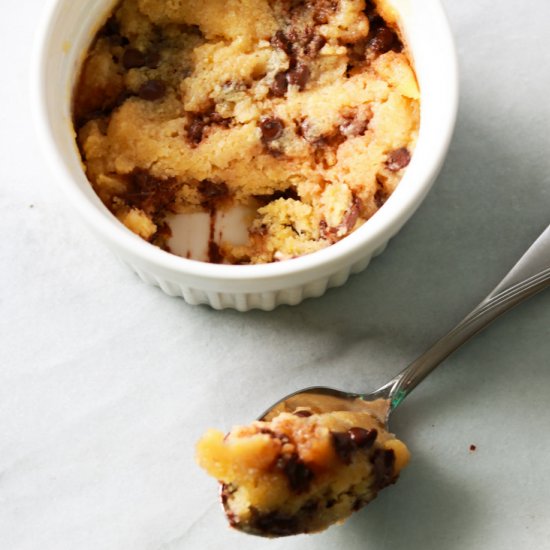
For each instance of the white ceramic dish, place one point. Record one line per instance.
(64, 36)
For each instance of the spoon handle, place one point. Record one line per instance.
(530, 275)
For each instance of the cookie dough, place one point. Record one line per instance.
(305, 111)
(301, 472)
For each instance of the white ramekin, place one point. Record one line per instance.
(64, 35)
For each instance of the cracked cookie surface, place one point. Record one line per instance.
(306, 111)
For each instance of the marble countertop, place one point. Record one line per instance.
(106, 383)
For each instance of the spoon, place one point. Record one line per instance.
(529, 276)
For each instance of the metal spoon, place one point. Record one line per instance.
(530, 275)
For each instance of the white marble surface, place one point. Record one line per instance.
(105, 383)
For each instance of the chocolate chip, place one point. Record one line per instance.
(195, 130)
(275, 523)
(280, 40)
(398, 159)
(200, 121)
(211, 190)
(346, 443)
(383, 462)
(354, 127)
(299, 75)
(382, 41)
(280, 85)
(315, 45)
(297, 472)
(272, 128)
(333, 234)
(149, 193)
(152, 60)
(363, 439)
(303, 413)
(351, 216)
(152, 90)
(343, 445)
(133, 59)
